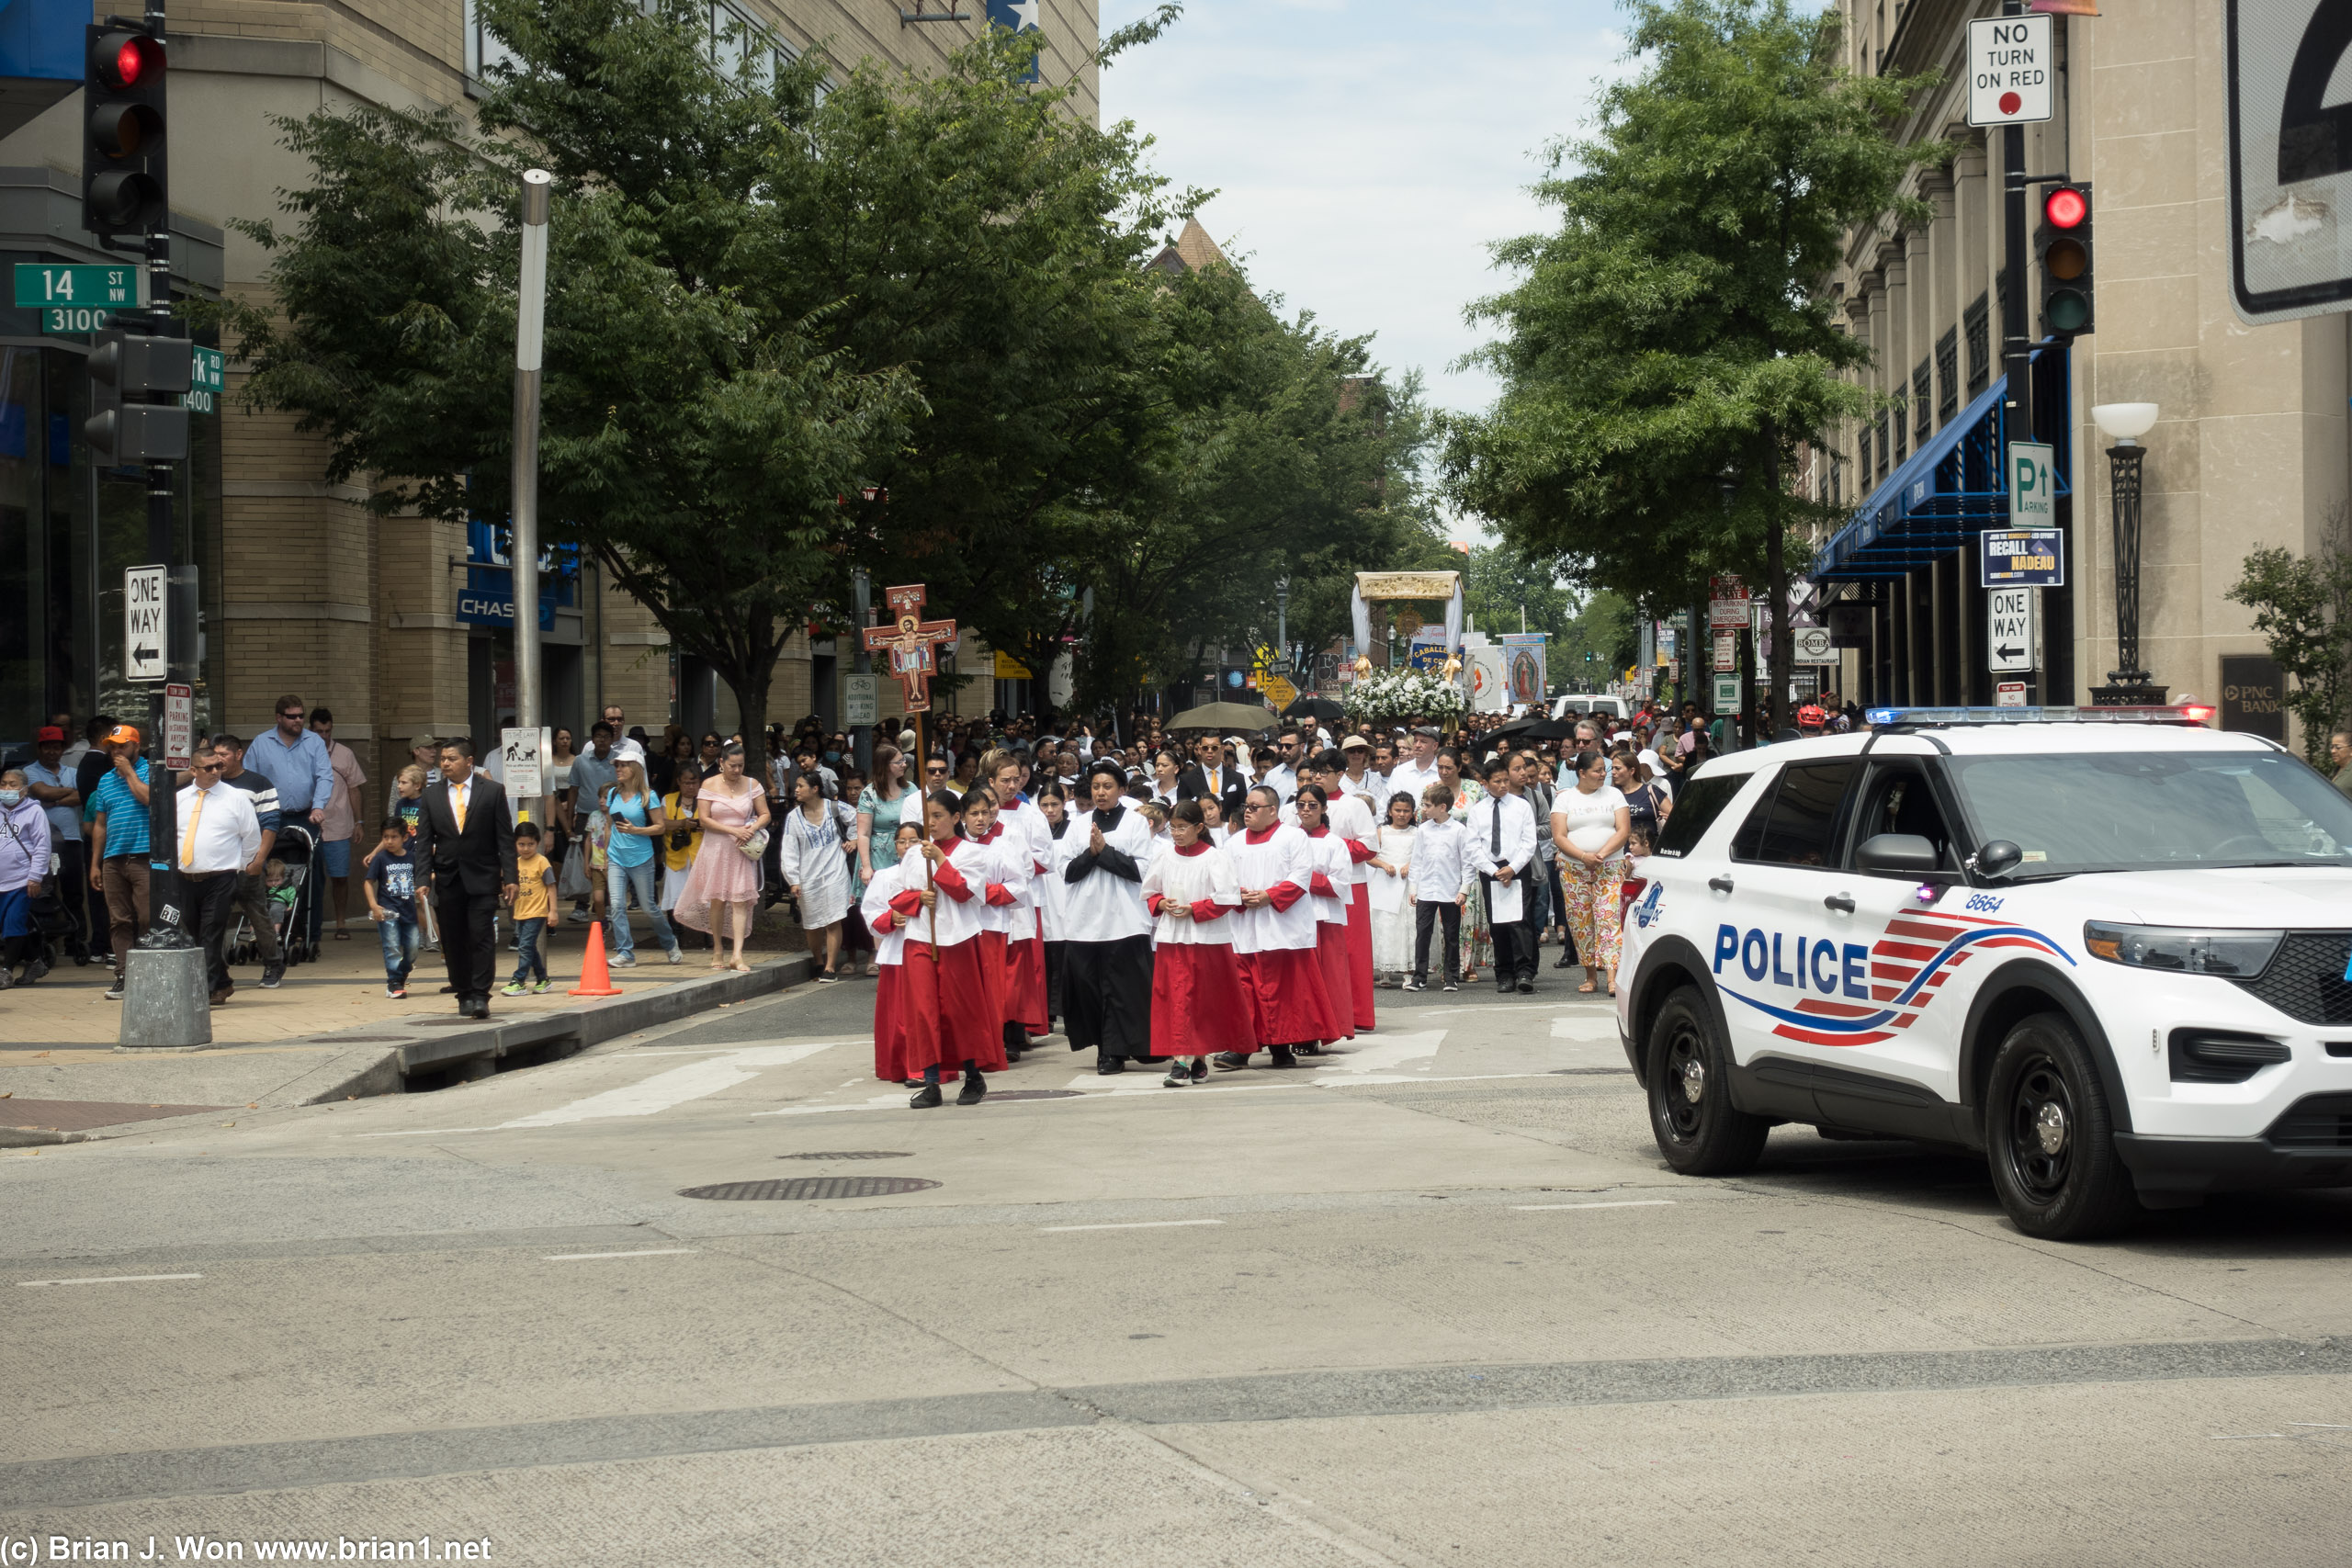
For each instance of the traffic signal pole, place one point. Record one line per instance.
(2017, 346)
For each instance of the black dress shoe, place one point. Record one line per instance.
(1232, 1061)
(927, 1099)
(1504, 988)
(482, 1009)
(1565, 960)
(975, 1087)
(1283, 1058)
(1109, 1065)
(1527, 984)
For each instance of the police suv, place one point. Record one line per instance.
(2110, 948)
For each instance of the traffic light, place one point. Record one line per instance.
(123, 141)
(2063, 242)
(122, 368)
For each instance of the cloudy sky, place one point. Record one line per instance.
(1366, 151)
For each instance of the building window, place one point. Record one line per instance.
(1923, 401)
(1862, 452)
(1882, 440)
(1980, 346)
(1948, 376)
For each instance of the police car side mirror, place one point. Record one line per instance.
(1996, 857)
(1899, 854)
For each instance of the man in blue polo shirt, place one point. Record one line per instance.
(295, 760)
(119, 844)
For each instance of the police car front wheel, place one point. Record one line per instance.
(2051, 1136)
(1698, 1129)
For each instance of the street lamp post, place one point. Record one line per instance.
(1281, 615)
(2124, 423)
(523, 548)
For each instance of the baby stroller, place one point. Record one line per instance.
(287, 887)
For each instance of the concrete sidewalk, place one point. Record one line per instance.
(329, 1032)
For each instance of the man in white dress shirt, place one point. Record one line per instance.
(220, 836)
(1418, 772)
(1501, 844)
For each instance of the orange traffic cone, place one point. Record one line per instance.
(595, 980)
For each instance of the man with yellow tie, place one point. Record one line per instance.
(220, 835)
(465, 844)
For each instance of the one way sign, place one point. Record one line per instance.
(2008, 629)
(146, 625)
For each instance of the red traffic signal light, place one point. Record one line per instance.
(126, 60)
(2064, 244)
(2065, 207)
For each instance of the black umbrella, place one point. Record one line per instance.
(1535, 728)
(1309, 705)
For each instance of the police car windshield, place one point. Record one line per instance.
(2157, 810)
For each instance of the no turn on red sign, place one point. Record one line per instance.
(2009, 70)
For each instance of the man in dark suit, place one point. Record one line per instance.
(464, 840)
(1212, 776)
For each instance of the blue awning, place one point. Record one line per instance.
(1935, 502)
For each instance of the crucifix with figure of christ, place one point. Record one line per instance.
(912, 646)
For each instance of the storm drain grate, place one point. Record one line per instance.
(999, 1095)
(802, 1187)
(853, 1154)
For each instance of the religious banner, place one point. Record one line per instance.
(1523, 666)
(910, 645)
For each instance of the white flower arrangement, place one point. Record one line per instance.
(1390, 696)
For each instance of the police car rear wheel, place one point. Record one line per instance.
(1696, 1127)
(2051, 1138)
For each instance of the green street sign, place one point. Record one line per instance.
(208, 376)
(43, 286)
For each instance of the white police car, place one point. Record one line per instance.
(2110, 948)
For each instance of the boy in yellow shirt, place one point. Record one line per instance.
(534, 902)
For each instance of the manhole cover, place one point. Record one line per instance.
(806, 1187)
(853, 1154)
(996, 1095)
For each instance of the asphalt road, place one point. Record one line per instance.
(1437, 1302)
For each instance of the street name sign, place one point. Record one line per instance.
(2008, 629)
(2290, 160)
(146, 624)
(206, 380)
(76, 297)
(2009, 70)
(1814, 645)
(179, 725)
(2022, 558)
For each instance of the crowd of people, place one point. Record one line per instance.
(1198, 901)
(1458, 857)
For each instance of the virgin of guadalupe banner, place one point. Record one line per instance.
(1523, 666)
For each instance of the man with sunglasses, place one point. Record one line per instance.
(220, 836)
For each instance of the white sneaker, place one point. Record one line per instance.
(677, 956)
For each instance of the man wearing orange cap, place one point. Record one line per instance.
(119, 844)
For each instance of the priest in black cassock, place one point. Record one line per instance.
(1106, 974)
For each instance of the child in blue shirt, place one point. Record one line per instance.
(392, 904)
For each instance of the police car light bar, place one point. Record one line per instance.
(1910, 718)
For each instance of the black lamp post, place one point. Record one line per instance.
(2129, 683)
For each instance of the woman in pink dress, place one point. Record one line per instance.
(724, 884)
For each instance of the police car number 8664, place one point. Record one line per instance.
(2110, 948)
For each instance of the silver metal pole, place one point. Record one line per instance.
(530, 337)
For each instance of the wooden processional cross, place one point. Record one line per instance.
(912, 645)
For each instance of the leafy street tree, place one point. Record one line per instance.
(1672, 333)
(2302, 607)
(1276, 450)
(767, 291)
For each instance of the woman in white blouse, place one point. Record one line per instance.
(1590, 826)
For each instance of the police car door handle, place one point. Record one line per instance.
(1842, 903)
(1720, 883)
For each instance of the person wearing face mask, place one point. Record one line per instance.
(24, 870)
(48, 779)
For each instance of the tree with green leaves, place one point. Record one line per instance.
(771, 284)
(2302, 608)
(1670, 346)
